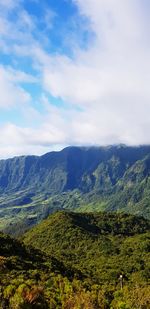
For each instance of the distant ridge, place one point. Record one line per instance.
(86, 178)
(72, 163)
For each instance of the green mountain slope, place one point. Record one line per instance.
(79, 266)
(96, 243)
(76, 178)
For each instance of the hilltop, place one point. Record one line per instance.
(101, 245)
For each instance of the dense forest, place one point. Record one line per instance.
(78, 261)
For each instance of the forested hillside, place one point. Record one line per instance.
(86, 261)
(96, 243)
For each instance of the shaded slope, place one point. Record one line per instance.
(15, 255)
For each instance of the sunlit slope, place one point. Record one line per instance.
(101, 245)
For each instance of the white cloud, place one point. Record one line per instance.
(110, 80)
(11, 94)
(116, 63)
(24, 141)
(106, 86)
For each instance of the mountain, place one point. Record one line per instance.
(74, 260)
(71, 168)
(78, 178)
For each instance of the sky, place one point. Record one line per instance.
(73, 72)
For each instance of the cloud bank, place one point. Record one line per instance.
(102, 91)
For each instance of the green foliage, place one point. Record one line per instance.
(80, 263)
(101, 246)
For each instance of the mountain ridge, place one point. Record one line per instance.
(89, 157)
(108, 178)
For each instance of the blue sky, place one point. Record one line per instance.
(73, 72)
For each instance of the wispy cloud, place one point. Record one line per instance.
(9, 4)
(11, 93)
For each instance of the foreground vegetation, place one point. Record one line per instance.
(79, 264)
